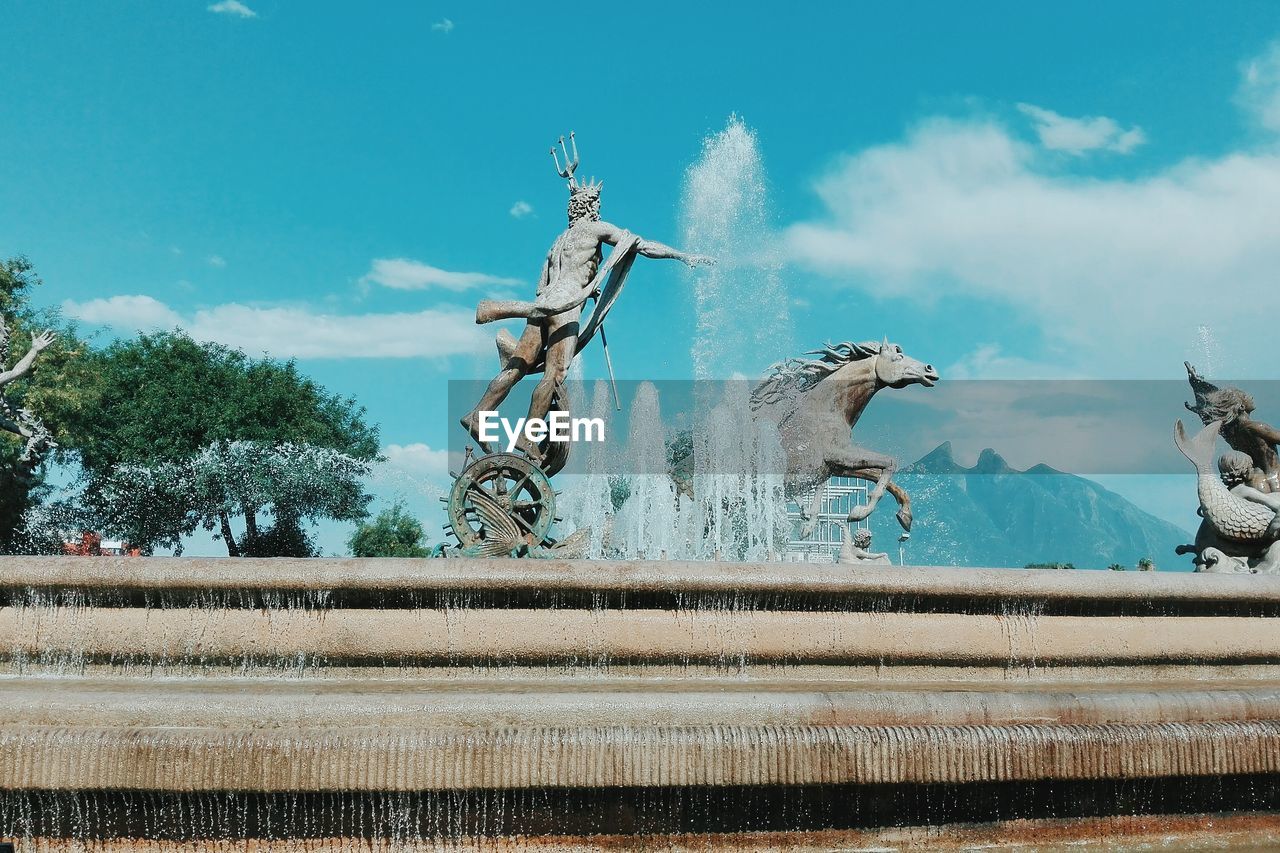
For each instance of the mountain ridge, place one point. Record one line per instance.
(991, 514)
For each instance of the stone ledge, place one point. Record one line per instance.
(193, 759)
(595, 638)
(171, 573)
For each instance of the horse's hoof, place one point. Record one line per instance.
(904, 518)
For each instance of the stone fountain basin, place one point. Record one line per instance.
(231, 685)
(268, 735)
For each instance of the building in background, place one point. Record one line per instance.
(91, 544)
(839, 495)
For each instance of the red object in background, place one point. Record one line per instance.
(91, 544)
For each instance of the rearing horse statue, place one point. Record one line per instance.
(816, 402)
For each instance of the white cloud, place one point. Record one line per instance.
(233, 7)
(1259, 91)
(1120, 274)
(417, 459)
(415, 476)
(1079, 135)
(136, 312)
(444, 25)
(521, 209)
(293, 332)
(216, 261)
(407, 274)
(990, 361)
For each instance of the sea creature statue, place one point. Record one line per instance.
(853, 551)
(1240, 521)
(1234, 408)
(1213, 560)
(21, 421)
(504, 538)
(816, 402)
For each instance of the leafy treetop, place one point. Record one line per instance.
(393, 533)
(165, 397)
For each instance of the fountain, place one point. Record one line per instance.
(720, 699)
(182, 704)
(588, 497)
(649, 525)
(724, 213)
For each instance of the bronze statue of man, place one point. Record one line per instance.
(570, 275)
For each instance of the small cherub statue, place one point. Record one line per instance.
(853, 551)
(1245, 480)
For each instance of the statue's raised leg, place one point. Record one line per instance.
(859, 462)
(490, 310)
(905, 515)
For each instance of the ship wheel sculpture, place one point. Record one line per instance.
(501, 504)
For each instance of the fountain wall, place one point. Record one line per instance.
(420, 702)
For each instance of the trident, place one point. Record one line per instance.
(569, 166)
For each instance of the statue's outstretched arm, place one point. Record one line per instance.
(653, 249)
(24, 365)
(610, 234)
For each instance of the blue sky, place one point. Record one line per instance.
(1009, 190)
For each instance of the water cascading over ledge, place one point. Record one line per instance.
(188, 703)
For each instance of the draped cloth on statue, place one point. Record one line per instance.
(606, 287)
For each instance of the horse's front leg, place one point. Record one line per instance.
(854, 462)
(905, 515)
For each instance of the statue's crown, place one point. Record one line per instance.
(570, 166)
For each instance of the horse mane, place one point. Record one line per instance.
(795, 376)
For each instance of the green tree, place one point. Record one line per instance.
(393, 533)
(1146, 565)
(1116, 567)
(184, 435)
(157, 504)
